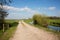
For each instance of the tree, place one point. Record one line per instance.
(3, 12)
(40, 19)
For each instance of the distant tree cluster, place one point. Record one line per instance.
(54, 17)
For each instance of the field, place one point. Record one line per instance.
(12, 20)
(9, 32)
(28, 20)
(54, 22)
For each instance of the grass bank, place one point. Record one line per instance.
(10, 31)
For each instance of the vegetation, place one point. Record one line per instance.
(44, 28)
(10, 31)
(54, 22)
(11, 20)
(3, 12)
(45, 21)
(28, 20)
(40, 20)
(4, 35)
(37, 19)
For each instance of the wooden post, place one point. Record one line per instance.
(3, 27)
(8, 26)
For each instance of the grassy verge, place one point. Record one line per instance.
(8, 33)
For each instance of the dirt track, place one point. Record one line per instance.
(27, 32)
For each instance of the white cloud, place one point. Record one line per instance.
(51, 8)
(47, 8)
(27, 9)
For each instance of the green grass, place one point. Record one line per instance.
(11, 21)
(8, 33)
(1, 33)
(54, 20)
(28, 20)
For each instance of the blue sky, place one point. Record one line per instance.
(27, 8)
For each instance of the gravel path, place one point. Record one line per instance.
(27, 32)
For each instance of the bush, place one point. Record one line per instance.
(13, 24)
(40, 20)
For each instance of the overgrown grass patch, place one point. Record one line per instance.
(8, 33)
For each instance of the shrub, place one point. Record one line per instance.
(15, 23)
(39, 19)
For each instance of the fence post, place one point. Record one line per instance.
(3, 27)
(8, 26)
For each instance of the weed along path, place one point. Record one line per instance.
(27, 32)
